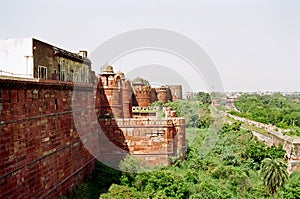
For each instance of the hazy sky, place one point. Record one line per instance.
(254, 44)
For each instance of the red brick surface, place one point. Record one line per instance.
(41, 154)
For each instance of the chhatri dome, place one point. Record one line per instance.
(121, 74)
(138, 81)
(107, 69)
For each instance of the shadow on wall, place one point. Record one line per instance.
(112, 142)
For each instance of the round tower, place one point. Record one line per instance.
(112, 99)
(162, 95)
(142, 95)
(127, 99)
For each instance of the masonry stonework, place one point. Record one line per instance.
(41, 152)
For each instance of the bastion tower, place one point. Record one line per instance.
(142, 93)
(116, 94)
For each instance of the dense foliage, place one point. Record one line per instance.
(276, 109)
(196, 110)
(292, 188)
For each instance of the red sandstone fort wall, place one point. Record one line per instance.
(153, 141)
(41, 152)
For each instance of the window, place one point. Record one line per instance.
(61, 71)
(82, 74)
(71, 77)
(42, 72)
(62, 75)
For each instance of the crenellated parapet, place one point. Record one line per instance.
(142, 95)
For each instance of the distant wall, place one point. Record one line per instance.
(289, 144)
(176, 92)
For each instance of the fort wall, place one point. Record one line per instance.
(153, 141)
(41, 152)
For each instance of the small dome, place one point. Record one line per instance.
(138, 80)
(121, 74)
(107, 69)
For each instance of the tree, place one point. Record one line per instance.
(292, 188)
(274, 173)
(204, 98)
(120, 192)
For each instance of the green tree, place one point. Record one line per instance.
(274, 173)
(292, 188)
(204, 98)
(120, 192)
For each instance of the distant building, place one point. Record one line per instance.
(31, 58)
(190, 95)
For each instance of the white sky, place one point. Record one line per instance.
(255, 44)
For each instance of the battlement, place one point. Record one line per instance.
(142, 122)
(142, 90)
(161, 89)
(146, 108)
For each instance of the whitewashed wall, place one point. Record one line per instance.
(16, 57)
